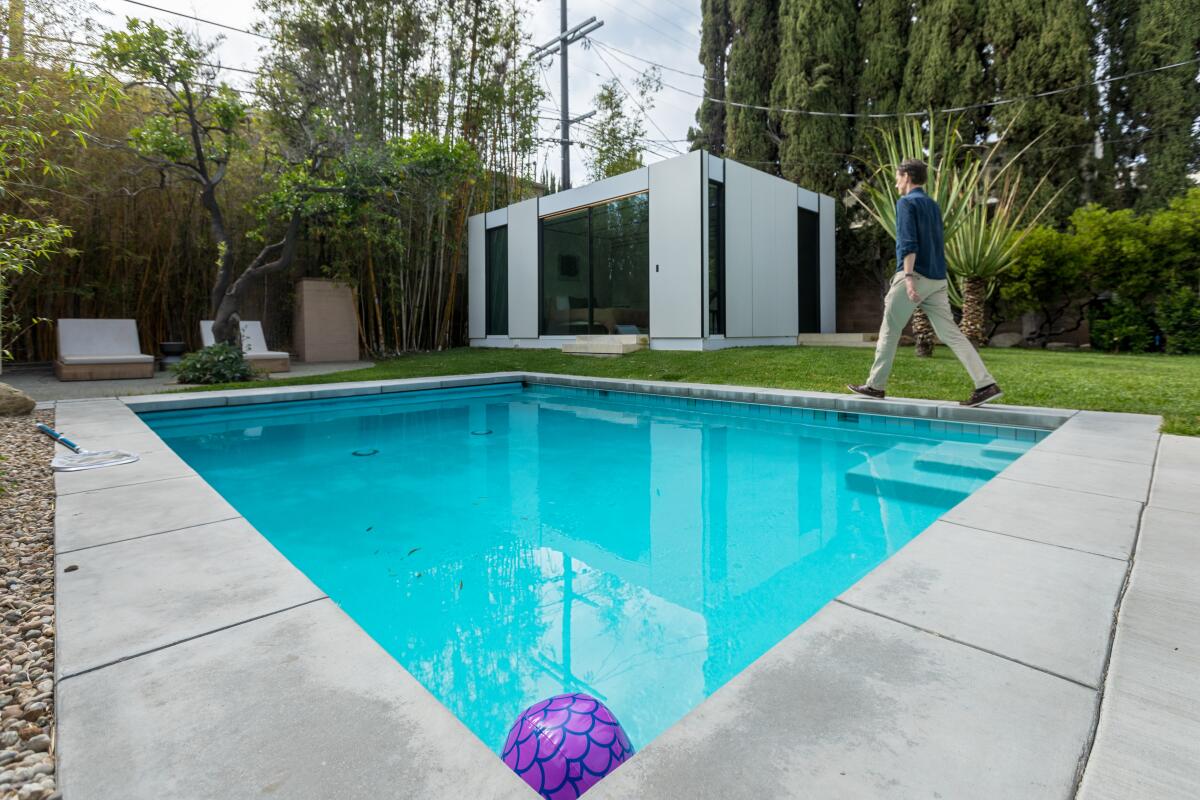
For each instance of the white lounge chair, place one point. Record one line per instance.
(100, 349)
(254, 346)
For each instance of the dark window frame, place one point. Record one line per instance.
(541, 256)
(488, 244)
(719, 188)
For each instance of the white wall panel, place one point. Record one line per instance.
(828, 265)
(807, 199)
(616, 186)
(775, 256)
(476, 277)
(763, 257)
(716, 168)
(523, 270)
(497, 218)
(676, 254)
(785, 269)
(739, 251)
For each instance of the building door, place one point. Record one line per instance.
(809, 237)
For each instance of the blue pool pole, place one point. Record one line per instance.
(58, 437)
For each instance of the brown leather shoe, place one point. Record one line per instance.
(981, 396)
(866, 391)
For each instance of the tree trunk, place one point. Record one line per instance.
(974, 300)
(923, 333)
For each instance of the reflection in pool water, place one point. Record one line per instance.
(639, 553)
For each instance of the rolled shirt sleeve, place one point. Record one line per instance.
(906, 229)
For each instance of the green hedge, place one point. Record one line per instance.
(1134, 278)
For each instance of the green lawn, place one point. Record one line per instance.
(1146, 384)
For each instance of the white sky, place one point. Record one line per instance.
(666, 31)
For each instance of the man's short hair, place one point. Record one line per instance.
(916, 170)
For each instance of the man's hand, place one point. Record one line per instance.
(910, 283)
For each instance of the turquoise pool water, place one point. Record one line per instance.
(509, 543)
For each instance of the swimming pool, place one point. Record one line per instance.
(507, 543)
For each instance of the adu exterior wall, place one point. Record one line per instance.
(523, 285)
(676, 252)
(476, 277)
(598, 192)
(761, 254)
(828, 224)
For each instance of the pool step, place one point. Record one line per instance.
(606, 344)
(942, 475)
(957, 458)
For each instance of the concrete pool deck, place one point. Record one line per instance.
(1040, 640)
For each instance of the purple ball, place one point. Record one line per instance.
(564, 745)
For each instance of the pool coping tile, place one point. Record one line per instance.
(904, 661)
(142, 594)
(1046, 607)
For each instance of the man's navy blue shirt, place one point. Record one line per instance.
(919, 230)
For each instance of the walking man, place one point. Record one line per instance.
(920, 282)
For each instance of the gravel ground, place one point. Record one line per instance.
(26, 610)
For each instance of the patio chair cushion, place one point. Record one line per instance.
(101, 341)
(254, 344)
(113, 359)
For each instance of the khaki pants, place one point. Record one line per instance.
(898, 310)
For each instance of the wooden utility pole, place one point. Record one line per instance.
(559, 43)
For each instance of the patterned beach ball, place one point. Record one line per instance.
(564, 745)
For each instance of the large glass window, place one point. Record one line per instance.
(566, 271)
(496, 250)
(716, 258)
(621, 266)
(596, 269)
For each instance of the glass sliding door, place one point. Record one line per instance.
(621, 266)
(566, 272)
(496, 256)
(596, 269)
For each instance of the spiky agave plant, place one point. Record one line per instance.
(984, 246)
(991, 225)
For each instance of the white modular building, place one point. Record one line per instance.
(695, 252)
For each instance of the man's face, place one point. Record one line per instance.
(903, 183)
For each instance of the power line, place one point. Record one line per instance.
(85, 63)
(903, 114)
(92, 45)
(689, 11)
(667, 20)
(201, 19)
(594, 40)
(635, 100)
(659, 31)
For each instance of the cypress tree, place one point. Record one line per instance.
(1164, 105)
(1114, 181)
(751, 71)
(716, 31)
(883, 29)
(1040, 45)
(946, 63)
(816, 72)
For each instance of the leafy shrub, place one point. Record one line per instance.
(1179, 317)
(1121, 325)
(218, 363)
